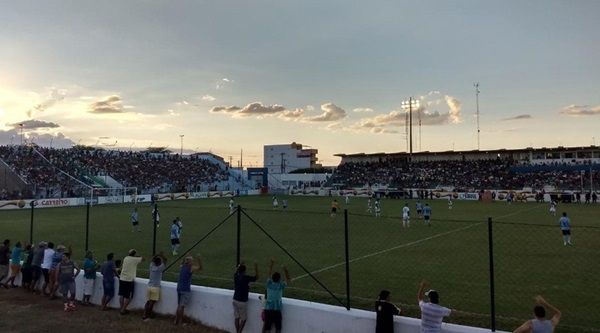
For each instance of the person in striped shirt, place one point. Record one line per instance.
(432, 313)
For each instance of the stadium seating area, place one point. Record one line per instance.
(146, 171)
(462, 175)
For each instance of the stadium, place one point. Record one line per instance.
(316, 166)
(510, 188)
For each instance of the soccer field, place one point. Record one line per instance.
(452, 253)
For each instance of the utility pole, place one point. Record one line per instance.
(242, 159)
(409, 105)
(476, 85)
(181, 150)
(282, 163)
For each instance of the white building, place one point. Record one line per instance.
(282, 159)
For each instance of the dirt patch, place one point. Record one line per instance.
(25, 312)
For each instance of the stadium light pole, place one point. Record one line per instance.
(181, 151)
(409, 105)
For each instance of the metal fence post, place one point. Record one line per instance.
(155, 221)
(87, 227)
(492, 287)
(347, 259)
(32, 204)
(239, 233)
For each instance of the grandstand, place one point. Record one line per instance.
(574, 169)
(30, 171)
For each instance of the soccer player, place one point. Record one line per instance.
(135, 221)
(377, 208)
(565, 227)
(419, 207)
(369, 206)
(406, 216)
(427, 214)
(450, 203)
(334, 208)
(175, 234)
(275, 202)
(347, 198)
(284, 204)
(553, 207)
(231, 206)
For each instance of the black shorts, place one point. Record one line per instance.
(174, 241)
(426, 217)
(419, 211)
(46, 273)
(37, 272)
(126, 289)
(566, 232)
(272, 317)
(135, 223)
(333, 209)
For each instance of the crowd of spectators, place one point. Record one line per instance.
(59, 172)
(460, 175)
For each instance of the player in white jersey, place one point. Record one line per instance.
(406, 216)
(347, 199)
(369, 210)
(231, 206)
(275, 202)
(377, 208)
(450, 203)
(553, 205)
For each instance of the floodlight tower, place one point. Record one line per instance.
(476, 85)
(410, 104)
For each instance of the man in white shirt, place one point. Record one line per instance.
(46, 265)
(432, 313)
(406, 216)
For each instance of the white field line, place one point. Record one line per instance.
(408, 244)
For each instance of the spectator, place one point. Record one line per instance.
(54, 272)
(109, 272)
(432, 313)
(90, 265)
(127, 279)
(157, 267)
(175, 235)
(385, 313)
(4, 262)
(274, 297)
(184, 284)
(46, 266)
(241, 283)
(15, 264)
(26, 270)
(540, 324)
(36, 265)
(68, 272)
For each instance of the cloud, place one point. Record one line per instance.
(208, 98)
(57, 140)
(519, 117)
(223, 83)
(33, 124)
(331, 112)
(55, 96)
(226, 109)
(428, 117)
(292, 114)
(258, 108)
(110, 104)
(362, 110)
(581, 110)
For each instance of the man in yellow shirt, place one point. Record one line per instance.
(127, 279)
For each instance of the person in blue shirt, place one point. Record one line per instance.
(184, 285)
(175, 235)
(274, 297)
(427, 214)
(15, 264)
(565, 227)
(240, 295)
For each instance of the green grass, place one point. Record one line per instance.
(452, 254)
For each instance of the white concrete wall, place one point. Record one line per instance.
(212, 307)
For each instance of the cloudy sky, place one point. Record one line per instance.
(231, 75)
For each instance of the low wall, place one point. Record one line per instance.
(212, 307)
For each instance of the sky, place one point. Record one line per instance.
(236, 75)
